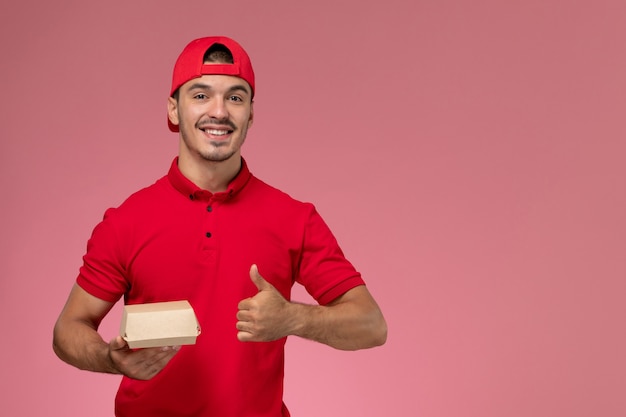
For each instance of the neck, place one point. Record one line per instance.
(209, 175)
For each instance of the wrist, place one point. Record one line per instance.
(300, 318)
(110, 364)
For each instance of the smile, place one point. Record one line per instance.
(217, 132)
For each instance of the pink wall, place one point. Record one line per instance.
(468, 155)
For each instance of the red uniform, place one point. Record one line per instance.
(174, 241)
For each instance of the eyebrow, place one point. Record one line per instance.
(204, 86)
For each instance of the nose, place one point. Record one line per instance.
(218, 109)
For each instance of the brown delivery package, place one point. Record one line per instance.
(171, 323)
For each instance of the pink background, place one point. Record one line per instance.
(469, 156)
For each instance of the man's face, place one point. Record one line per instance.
(213, 114)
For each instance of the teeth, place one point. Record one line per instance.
(216, 132)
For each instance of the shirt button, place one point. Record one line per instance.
(209, 209)
(208, 234)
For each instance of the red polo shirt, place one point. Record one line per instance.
(174, 241)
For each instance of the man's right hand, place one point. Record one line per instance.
(141, 363)
(76, 341)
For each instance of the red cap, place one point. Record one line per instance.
(190, 64)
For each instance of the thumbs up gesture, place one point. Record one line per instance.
(264, 317)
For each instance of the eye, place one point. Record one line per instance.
(200, 96)
(235, 99)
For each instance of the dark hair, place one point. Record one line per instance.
(217, 53)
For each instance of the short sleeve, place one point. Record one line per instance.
(324, 270)
(103, 272)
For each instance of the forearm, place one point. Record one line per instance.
(80, 345)
(352, 322)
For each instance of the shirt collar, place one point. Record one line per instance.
(190, 190)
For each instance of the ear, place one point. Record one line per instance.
(172, 110)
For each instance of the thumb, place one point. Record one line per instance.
(260, 282)
(118, 343)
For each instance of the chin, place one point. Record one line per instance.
(217, 157)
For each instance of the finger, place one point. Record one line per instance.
(242, 326)
(244, 336)
(243, 332)
(243, 315)
(244, 304)
(165, 354)
(118, 343)
(149, 362)
(258, 280)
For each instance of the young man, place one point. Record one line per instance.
(211, 233)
